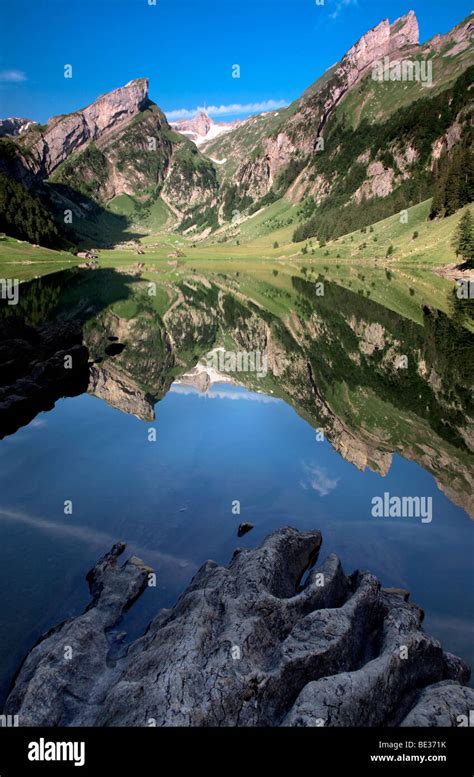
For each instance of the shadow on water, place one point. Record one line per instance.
(42, 350)
(69, 294)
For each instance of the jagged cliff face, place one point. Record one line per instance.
(135, 378)
(118, 390)
(132, 158)
(311, 112)
(257, 154)
(48, 147)
(308, 122)
(202, 129)
(196, 128)
(120, 144)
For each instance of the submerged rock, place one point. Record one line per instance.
(244, 528)
(250, 644)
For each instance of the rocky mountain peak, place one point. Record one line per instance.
(202, 123)
(123, 102)
(380, 41)
(112, 108)
(65, 134)
(202, 128)
(317, 104)
(405, 31)
(456, 40)
(383, 40)
(14, 126)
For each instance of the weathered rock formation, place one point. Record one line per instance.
(267, 641)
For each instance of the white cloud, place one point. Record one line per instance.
(341, 5)
(12, 76)
(37, 423)
(234, 109)
(213, 393)
(318, 479)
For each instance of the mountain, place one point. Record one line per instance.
(352, 140)
(119, 145)
(355, 148)
(14, 126)
(42, 148)
(202, 129)
(139, 155)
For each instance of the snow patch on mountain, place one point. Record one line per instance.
(202, 128)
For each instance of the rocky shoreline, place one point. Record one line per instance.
(271, 640)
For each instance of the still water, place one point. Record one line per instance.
(172, 502)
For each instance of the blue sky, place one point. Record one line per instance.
(186, 48)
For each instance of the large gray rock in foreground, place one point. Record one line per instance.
(267, 641)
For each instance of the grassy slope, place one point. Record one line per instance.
(157, 217)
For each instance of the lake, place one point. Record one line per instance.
(173, 502)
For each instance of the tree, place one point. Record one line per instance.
(454, 185)
(463, 239)
(23, 216)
